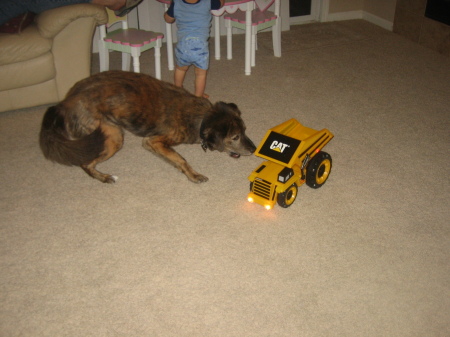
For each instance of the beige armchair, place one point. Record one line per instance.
(39, 65)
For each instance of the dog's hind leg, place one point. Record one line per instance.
(158, 145)
(113, 143)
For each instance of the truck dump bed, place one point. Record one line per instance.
(290, 142)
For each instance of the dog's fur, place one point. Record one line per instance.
(86, 128)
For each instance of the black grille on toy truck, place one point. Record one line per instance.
(262, 188)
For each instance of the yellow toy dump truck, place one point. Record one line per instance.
(294, 156)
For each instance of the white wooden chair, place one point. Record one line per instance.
(130, 42)
(261, 19)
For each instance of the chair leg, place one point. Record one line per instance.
(136, 64)
(126, 61)
(135, 54)
(253, 49)
(276, 38)
(158, 60)
(248, 42)
(103, 51)
(103, 54)
(229, 40)
(169, 42)
(217, 37)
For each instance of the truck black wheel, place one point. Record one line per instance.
(287, 198)
(318, 170)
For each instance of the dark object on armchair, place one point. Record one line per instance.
(17, 24)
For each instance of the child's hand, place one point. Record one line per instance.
(168, 18)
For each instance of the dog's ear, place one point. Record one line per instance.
(228, 107)
(234, 107)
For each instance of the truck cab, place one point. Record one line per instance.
(293, 156)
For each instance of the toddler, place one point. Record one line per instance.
(193, 18)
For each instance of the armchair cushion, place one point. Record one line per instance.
(24, 46)
(43, 69)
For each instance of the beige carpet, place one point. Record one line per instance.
(156, 255)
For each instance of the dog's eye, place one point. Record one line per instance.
(235, 138)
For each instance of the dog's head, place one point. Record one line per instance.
(224, 130)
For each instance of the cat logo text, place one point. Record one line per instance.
(278, 146)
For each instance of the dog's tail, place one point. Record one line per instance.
(57, 147)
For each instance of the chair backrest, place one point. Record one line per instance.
(113, 19)
(263, 5)
(277, 8)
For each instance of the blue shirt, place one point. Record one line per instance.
(193, 20)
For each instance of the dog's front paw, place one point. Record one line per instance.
(110, 179)
(199, 178)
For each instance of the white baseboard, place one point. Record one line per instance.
(354, 15)
(378, 21)
(342, 16)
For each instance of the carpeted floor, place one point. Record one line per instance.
(156, 255)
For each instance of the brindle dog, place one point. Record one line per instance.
(86, 128)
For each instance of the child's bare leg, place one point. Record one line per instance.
(180, 74)
(200, 82)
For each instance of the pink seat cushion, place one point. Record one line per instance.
(132, 37)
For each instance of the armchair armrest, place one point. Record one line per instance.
(53, 21)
